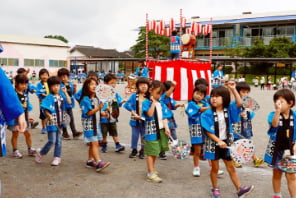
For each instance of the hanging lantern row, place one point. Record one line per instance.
(161, 28)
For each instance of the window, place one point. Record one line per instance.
(39, 63)
(12, 62)
(29, 62)
(57, 63)
(3, 61)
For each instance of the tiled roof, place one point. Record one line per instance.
(91, 51)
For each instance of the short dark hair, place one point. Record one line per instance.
(223, 92)
(287, 94)
(21, 78)
(109, 77)
(53, 80)
(242, 86)
(142, 80)
(63, 71)
(201, 81)
(43, 71)
(174, 33)
(20, 70)
(200, 88)
(167, 84)
(154, 85)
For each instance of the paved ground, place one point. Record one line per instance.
(126, 177)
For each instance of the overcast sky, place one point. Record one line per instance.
(112, 23)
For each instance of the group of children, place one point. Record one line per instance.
(210, 119)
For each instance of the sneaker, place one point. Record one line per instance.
(56, 161)
(154, 178)
(141, 154)
(38, 156)
(196, 172)
(220, 172)
(257, 162)
(119, 148)
(102, 165)
(215, 193)
(104, 148)
(31, 152)
(34, 124)
(17, 154)
(244, 191)
(277, 196)
(162, 156)
(90, 163)
(66, 136)
(133, 153)
(237, 165)
(43, 130)
(77, 135)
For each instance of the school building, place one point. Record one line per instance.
(242, 30)
(32, 52)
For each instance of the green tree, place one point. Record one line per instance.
(279, 47)
(59, 37)
(159, 46)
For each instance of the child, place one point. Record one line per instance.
(216, 122)
(194, 110)
(54, 107)
(134, 105)
(42, 92)
(30, 89)
(109, 124)
(91, 74)
(64, 74)
(244, 125)
(156, 128)
(21, 83)
(90, 117)
(282, 134)
(172, 105)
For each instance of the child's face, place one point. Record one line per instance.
(216, 101)
(21, 86)
(112, 83)
(156, 93)
(143, 87)
(198, 96)
(64, 78)
(92, 87)
(44, 77)
(55, 88)
(285, 106)
(244, 92)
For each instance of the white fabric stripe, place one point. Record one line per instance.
(170, 74)
(157, 73)
(202, 74)
(184, 84)
(209, 79)
(194, 76)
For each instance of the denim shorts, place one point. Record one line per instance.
(98, 137)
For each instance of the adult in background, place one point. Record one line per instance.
(175, 43)
(218, 76)
(142, 70)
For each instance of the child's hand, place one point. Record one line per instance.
(50, 118)
(167, 132)
(174, 83)
(231, 84)
(278, 105)
(105, 114)
(243, 114)
(64, 89)
(101, 106)
(222, 144)
(152, 99)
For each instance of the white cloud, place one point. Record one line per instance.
(110, 24)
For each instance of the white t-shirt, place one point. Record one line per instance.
(222, 126)
(159, 115)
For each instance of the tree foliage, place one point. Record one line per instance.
(159, 46)
(59, 37)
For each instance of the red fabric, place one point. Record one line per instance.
(172, 24)
(185, 83)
